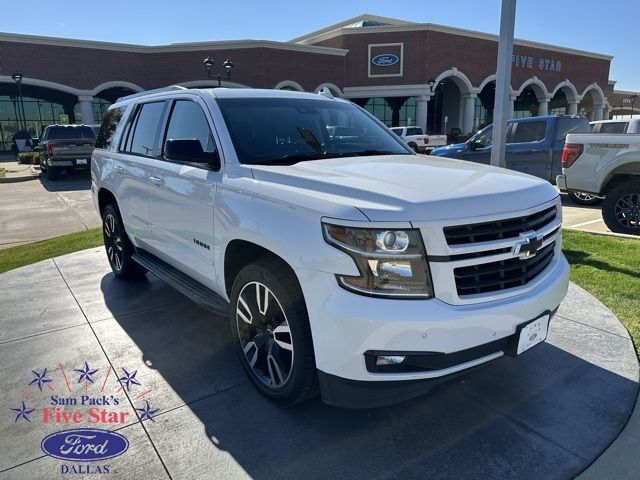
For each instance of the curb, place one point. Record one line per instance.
(21, 178)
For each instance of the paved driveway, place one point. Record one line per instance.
(40, 209)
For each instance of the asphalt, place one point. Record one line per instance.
(547, 414)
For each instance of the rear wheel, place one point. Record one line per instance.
(621, 208)
(580, 198)
(270, 326)
(118, 246)
(414, 146)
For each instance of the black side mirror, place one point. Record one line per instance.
(473, 146)
(190, 150)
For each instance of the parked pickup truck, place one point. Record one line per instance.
(66, 147)
(606, 165)
(534, 144)
(623, 125)
(418, 140)
(344, 263)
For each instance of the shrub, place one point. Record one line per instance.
(29, 158)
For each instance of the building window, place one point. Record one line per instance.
(379, 108)
(383, 109)
(526, 105)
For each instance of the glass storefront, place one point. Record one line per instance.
(384, 108)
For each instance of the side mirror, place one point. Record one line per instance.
(473, 146)
(190, 150)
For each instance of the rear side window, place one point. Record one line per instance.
(614, 127)
(108, 128)
(143, 132)
(526, 132)
(571, 125)
(59, 132)
(187, 122)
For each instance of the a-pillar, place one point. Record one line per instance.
(469, 112)
(597, 112)
(422, 108)
(86, 109)
(543, 106)
(572, 107)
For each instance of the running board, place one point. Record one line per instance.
(200, 294)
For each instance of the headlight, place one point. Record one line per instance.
(392, 263)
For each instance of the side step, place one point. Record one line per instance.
(203, 296)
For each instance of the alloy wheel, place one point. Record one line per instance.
(113, 242)
(585, 196)
(627, 210)
(265, 335)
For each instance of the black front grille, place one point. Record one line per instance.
(496, 276)
(501, 229)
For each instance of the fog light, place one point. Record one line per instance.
(389, 360)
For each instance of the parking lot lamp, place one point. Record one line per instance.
(17, 77)
(227, 65)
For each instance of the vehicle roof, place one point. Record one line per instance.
(615, 120)
(68, 125)
(542, 117)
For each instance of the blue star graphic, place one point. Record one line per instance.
(23, 412)
(129, 378)
(147, 413)
(39, 378)
(85, 373)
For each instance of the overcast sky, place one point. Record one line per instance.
(604, 27)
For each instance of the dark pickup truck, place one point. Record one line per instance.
(534, 144)
(66, 147)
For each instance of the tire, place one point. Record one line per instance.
(118, 246)
(414, 147)
(621, 208)
(584, 199)
(52, 172)
(275, 346)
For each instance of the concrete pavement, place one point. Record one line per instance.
(547, 414)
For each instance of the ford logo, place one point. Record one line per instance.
(533, 336)
(385, 59)
(84, 444)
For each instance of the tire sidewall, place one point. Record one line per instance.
(609, 206)
(129, 268)
(292, 303)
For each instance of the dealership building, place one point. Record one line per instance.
(438, 77)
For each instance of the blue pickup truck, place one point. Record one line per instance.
(534, 144)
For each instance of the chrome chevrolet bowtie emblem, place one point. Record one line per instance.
(528, 245)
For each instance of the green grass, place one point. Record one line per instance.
(21, 255)
(609, 268)
(3, 171)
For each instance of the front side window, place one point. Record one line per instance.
(145, 130)
(290, 130)
(108, 128)
(414, 131)
(483, 138)
(525, 132)
(189, 122)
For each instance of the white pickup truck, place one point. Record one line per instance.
(418, 140)
(343, 261)
(605, 165)
(622, 125)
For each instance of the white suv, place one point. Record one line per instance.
(346, 263)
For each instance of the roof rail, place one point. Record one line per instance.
(149, 92)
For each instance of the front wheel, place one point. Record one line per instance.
(270, 327)
(118, 246)
(586, 199)
(621, 208)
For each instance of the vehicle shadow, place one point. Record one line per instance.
(546, 414)
(578, 257)
(567, 202)
(67, 182)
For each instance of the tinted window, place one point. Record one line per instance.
(108, 128)
(289, 130)
(614, 127)
(414, 131)
(483, 138)
(60, 132)
(525, 132)
(145, 130)
(571, 125)
(187, 122)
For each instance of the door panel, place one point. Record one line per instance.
(527, 149)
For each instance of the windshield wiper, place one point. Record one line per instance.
(364, 153)
(291, 159)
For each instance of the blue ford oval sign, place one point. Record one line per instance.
(385, 59)
(84, 444)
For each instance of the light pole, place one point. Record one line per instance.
(17, 77)
(227, 65)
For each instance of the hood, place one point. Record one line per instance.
(448, 150)
(411, 187)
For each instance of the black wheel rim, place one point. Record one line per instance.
(265, 336)
(627, 210)
(113, 242)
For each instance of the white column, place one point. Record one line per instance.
(573, 108)
(543, 106)
(86, 109)
(597, 113)
(422, 103)
(512, 99)
(469, 112)
(606, 113)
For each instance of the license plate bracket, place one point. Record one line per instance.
(528, 335)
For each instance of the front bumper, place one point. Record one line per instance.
(345, 326)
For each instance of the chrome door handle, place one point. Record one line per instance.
(156, 180)
(119, 170)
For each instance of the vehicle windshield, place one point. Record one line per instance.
(483, 138)
(290, 130)
(70, 132)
